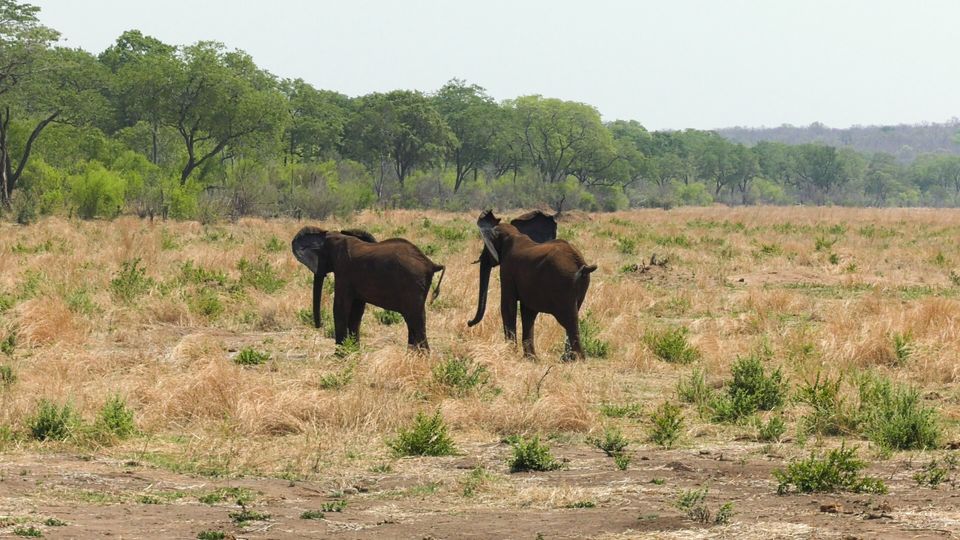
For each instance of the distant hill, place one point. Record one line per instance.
(905, 141)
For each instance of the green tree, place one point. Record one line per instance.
(472, 116)
(881, 178)
(317, 121)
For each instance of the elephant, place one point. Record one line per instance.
(551, 277)
(392, 274)
(538, 226)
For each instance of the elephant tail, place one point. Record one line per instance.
(584, 271)
(436, 290)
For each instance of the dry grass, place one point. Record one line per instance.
(736, 278)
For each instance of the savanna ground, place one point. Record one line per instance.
(201, 404)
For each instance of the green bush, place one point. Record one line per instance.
(694, 389)
(7, 376)
(772, 430)
(693, 504)
(936, 472)
(387, 317)
(666, 424)
(671, 345)
(531, 455)
(893, 417)
(592, 345)
(613, 443)
(829, 415)
(839, 470)
(249, 356)
(29, 532)
(116, 419)
(206, 303)
(312, 514)
(627, 410)
(211, 535)
(8, 344)
(52, 422)
(259, 275)
(96, 192)
(426, 437)
(751, 390)
(461, 375)
(130, 282)
(337, 380)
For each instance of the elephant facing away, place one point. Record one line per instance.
(551, 277)
(393, 274)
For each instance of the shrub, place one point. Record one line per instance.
(79, 301)
(334, 506)
(530, 455)
(613, 443)
(245, 515)
(477, 478)
(666, 424)
(902, 347)
(201, 276)
(349, 346)
(829, 414)
(693, 504)
(626, 245)
(337, 380)
(627, 410)
(312, 514)
(426, 437)
(116, 418)
(274, 245)
(935, 473)
(8, 344)
(259, 275)
(206, 303)
(7, 376)
(387, 317)
(241, 496)
(29, 532)
(251, 357)
(772, 430)
(671, 346)
(839, 470)
(751, 390)
(694, 389)
(130, 282)
(97, 192)
(461, 375)
(622, 461)
(211, 535)
(894, 418)
(592, 345)
(52, 422)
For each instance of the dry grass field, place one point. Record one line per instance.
(162, 380)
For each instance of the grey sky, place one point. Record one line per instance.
(668, 64)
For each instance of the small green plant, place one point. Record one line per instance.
(334, 506)
(894, 418)
(772, 430)
(242, 496)
(206, 302)
(52, 422)
(834, 259)
(902, 347)
(245, 515)
(839, 470)
(671, 345)
(167, 241)
(249, 356)
(7, 301)
(130, 282)
(666, 424)
(582, 504)
(116, 419)
(627, 245)
(274, 245)
(613, 443)
(199, 275)
(822, 243)
(751, 390)
(336, 380)
(694, 389)
(7, 376)
(936, 472)
(461, 375)
(473, 482)
(531, 455)
(828, 414)
(211, 535)
(54, 522)
(954, 279)
(79, 302)
(259, 275)
(29, 532)
(592, 345)
(387, 317)
(658, 481)
(426, 437)
(626, 410)
(940, 259)
(622, 461)
(312, 514)
(8, 344)
(693, 504)
(350, 346)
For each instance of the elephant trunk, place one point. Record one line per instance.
(317, 290)
(486, 265)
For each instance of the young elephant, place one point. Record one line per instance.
(551, 277)
(393, 274)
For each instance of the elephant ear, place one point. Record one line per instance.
(306, 246)
(488, 234)
(539, 226)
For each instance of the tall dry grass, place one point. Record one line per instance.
(735, 278)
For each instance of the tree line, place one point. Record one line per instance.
(201, 132)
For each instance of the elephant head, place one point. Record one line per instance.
(309, 247)
(538, 226)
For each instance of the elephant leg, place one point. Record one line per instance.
(570, 323)
(527, 318)
(417, 330)
(508, 312)
(356, 315)
(342, 302)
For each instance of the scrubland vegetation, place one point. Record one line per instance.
(737, 354)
